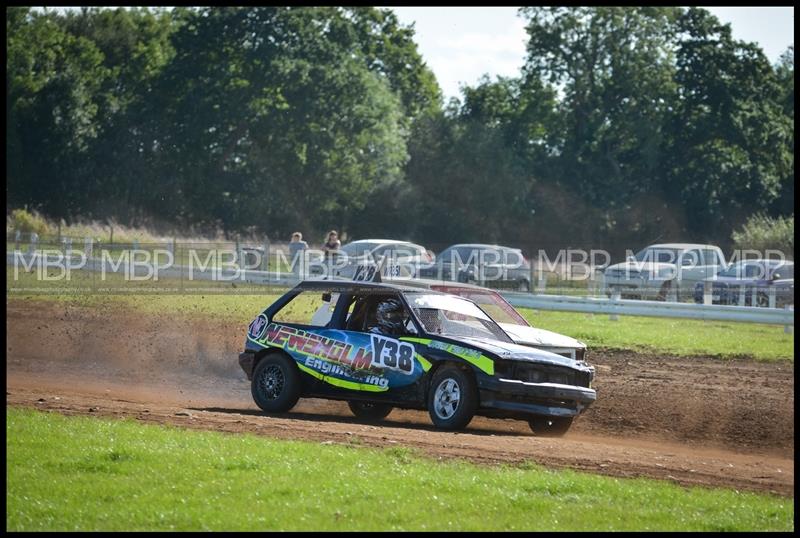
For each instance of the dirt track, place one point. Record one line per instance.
(695, 421)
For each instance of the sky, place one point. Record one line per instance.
(460, 44)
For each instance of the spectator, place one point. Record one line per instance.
(331, 248)
(296, 248)
(332, 244)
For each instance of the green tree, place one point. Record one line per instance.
(613, 68)
(271, 122)
(53, 79)
(784, 71)
(136, 47)
(732, 141)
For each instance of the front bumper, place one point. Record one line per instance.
(521, 397)
(638, 287)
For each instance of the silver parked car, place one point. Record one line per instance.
(402, 257)
(654, 271)
(495, 266)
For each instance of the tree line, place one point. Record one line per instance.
(625, 126)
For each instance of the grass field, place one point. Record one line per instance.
(80, 473)
(240, 302)
(676, 336)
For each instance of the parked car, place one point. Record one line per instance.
(444, 354)
(404, 256)
(653, 271)
(494, 266)
(756, 277)
(512, 322)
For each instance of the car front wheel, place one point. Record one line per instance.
(550, 426)
(762, 299)
(276, 384)
(452, 398)
(663, 293)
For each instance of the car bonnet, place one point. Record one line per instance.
(522, 334)
(517, 352)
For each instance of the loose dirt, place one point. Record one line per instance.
(694, 421)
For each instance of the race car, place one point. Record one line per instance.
(378, 346)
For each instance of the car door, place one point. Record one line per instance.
(379, 365)
(713, 263)
(691, 267)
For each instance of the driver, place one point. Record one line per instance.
(391, 318)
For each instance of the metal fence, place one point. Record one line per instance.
(590, 296)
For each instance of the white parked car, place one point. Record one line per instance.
(659, 271)
(401, 255)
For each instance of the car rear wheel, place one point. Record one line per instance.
(762, 299)
(369, 411)
(276, 383)
(452, 398)
(550, 426)
(663, 293)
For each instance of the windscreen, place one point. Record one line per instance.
(357, 249)
(660, 255)
(452, 316)
(490, 302)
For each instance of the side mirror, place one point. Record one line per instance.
(775, 276)
(630, 258)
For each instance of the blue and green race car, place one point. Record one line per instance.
(379, 346)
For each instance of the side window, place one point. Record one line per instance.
(664, 256)
(402, 252)
(491, 256)
(691, 258)
(710, 257)
(514, 258)
(785, 271)
(465, 256)
(380, 252)
(364, 315)
(314, 308)
(753, 270)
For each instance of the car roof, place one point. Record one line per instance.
(685, 246)
(767, 261)
(381, 241)
(428, 282)
(480, 245)
(342, 284)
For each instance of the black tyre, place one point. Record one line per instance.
(369, 410)
(663, 293)
(523, 285)
(276, 383)
(550, 426)
(452, 398)
(762, 299)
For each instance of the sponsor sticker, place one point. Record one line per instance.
(257, 327)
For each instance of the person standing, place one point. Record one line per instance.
(331, 248)
(297, 249)
(332, 244)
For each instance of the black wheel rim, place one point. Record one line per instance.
(272, 381)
